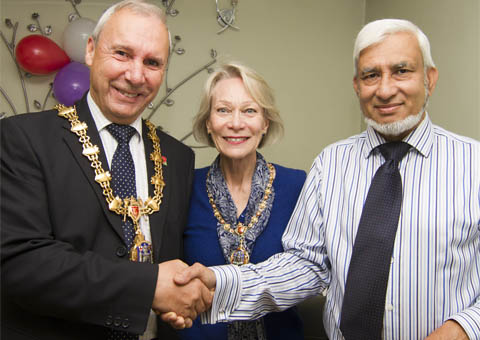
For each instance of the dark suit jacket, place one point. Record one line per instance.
(64, 263)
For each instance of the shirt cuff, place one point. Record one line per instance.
(227, 294)
(469, 319)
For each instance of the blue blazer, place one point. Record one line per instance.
(201, 245)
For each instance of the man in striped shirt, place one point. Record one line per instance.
(433, 286)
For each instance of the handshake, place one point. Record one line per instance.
(182, 292)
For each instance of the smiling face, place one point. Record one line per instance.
(236, 123)
(390, 83)
(127, 64)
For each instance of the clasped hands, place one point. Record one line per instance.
(182, 292)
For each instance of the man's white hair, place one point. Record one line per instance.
(376, 31)
(137, 6)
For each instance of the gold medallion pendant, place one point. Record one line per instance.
(240, 255)
(142, 250)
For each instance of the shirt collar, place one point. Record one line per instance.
(102, 122)
(421, 138)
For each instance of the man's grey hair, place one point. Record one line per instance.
(137, 6)
(376, 31)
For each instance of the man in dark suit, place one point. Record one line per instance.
(71, 248)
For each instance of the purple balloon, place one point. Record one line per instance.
(71, 83)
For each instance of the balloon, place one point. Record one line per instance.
(40, 55)
(71, 83)
(75, 38)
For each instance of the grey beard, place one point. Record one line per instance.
(395, 128)
(399, 127)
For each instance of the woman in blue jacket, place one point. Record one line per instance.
(241, 203)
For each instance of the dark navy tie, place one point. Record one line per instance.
(366, 287)
(123, 185)
(123, 172)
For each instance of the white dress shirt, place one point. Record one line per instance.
(435, 266)
(137, 149)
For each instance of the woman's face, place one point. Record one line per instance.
(236, 123)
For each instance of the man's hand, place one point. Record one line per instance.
(184, 277)
(197, 271)
(186, 300)
(450, 330)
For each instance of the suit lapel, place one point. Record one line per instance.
(75, 146)
(157, 219)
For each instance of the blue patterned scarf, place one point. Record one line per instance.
(216, 185)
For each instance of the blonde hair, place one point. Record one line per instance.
(256, 86)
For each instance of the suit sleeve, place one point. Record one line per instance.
(186, 199)
(49, 276)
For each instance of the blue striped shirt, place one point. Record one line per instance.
(435, 266)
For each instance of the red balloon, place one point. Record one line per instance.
(39, 55)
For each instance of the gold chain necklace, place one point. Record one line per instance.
(240, 255)
(141, 250)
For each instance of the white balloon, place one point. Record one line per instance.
(75, 38)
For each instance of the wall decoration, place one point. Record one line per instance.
(226, 17)
(75, 15)
(37, 27)
(169, 10)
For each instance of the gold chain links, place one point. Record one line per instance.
(103, 177)
(241, 229)
(240, 255)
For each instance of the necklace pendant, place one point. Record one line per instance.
(239, 256)
(240, 228)
(141, 250)
(133, 209)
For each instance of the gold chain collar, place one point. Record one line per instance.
(131, 207)
(240, 255)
